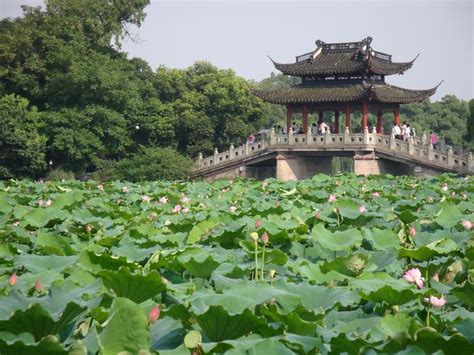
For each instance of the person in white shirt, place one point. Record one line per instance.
(396, 131)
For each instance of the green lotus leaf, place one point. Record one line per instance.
(337, 241)
(381, 239)
(200, 268)
(465, 293)
(219, 325)
(201, 229)
(390, 295)
(166, 333)
(40, 217)
(67, 199)
(135, 287)
(37, 321)
(431, 341)
(448, 216)
(96, 262)
(125, 330)
(264, 346)
(24, 344)
(38, 263)
(54, 244)
(397, 327)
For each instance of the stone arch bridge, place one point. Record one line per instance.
(300, 156)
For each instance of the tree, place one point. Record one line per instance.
(22, 147)
(470, 124)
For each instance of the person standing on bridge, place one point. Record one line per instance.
(397, 132)
(433, 139)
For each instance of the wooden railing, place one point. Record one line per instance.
(416, 149)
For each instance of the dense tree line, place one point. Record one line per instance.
(71, 99)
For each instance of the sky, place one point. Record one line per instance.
(240, 35)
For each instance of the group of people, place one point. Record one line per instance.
(404, 131)
(320, 127)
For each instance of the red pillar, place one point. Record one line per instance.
(288, 118)
(305, 119)
(379, 122)
(396, 114)
(348, 116)
(365, 111)
(336, 123)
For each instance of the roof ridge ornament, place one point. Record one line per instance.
(367, 40)
(320, 43)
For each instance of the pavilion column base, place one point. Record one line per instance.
(289, 167)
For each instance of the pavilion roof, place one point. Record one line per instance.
(344, 92)
(353, 58)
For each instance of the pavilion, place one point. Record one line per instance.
(344, 77)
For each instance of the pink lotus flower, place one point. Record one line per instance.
(48, 202)
(437, 302)
(444, 187)
(265, 238)
(414, 276)
(258, 224)
(412, 232)
(185, 210)
(154, 314)
(332, 198)
(376, 194)
(177, 209)
(185, 200)
(12, 280)
(467, 224)
(40, 202)
(163, 199)
(16, 224)
(38, 286)
(435, 277)
(232, 209)
(146, 198)
(362, 209)
(125, 189)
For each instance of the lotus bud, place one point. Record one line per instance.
(332, 198)
(38, 286)
(153, 216)
(362, 209)
(163, 199)
(177, 209)
(444, 187)
(164, 280)
(412, 232)
(146, 198)
(258, 224)
(265, 238)
(12, 280)
(125, 189)
(376, 194)
(317, 215)
(254, 236)
(232, 209)
(49, 202)
(88, 228)
(154, 314)
(272, 273)
(100, 187)
(435, 277)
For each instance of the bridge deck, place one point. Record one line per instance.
(414, 151)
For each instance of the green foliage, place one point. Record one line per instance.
(59, 175)
(22, 147)
(106, 257)
(470, 125)
(153, 164)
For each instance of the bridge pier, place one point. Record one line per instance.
(369, 164)
(292, 167)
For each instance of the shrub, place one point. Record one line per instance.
(59, 175)
(154, 164)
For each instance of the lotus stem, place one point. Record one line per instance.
(256, 260)
(263, 262)
(428, 316)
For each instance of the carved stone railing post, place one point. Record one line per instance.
(199, 160)
(366, 135)
(216, 152)
(231, 152)
(442, 146)
(411, 148)
(449, 157)
(272, 136)
(327, 137)
(290, 136)
(347, 139)
(470, 162)
(392, 142)
(247, 147)
(430, 152)
(309, 136)
(423, 138)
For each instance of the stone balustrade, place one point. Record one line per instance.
(415, 148)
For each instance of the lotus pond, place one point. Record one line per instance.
(325, 265)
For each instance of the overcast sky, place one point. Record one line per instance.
(240, 34)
